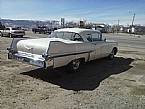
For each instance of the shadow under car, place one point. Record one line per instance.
(89, 76)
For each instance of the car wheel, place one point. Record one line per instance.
(112, 55)
(74, 66)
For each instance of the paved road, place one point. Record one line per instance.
(126, 40)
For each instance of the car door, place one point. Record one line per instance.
(103, 49)
(92, 44)
(100, 45)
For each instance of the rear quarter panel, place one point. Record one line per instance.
(67, 50)
(111, 45)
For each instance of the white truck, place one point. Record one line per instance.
(64, 47)
(12, 32)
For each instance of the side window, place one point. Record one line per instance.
(77, 38)
(59, 35)
(68, 35)
(96, 37)
(89, 37)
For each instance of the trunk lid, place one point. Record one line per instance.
(34, 46)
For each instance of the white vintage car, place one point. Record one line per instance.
(64, 47)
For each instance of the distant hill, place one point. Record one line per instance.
(29, 23)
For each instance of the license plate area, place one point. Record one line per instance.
(22, 59)
(29, 59)
(26, 60)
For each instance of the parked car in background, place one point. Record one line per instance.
(64, 47)
(12, 32)
(41, 30)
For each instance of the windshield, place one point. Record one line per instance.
(63, 35)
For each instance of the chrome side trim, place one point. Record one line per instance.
(69, 54)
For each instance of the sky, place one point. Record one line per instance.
(99, 11)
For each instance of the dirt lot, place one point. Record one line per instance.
(102, 84)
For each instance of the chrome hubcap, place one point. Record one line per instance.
(76, 64)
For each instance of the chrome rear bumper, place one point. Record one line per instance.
(29, 58)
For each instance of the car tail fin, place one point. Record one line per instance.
(13, 45)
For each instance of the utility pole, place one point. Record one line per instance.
(0, 21)
(133, 19)
(118, 26)
(118, 22)
(132, 28)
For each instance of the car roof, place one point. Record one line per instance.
(77, 30)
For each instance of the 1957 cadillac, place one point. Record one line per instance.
(64, 47)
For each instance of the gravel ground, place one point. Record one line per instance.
(100, 84)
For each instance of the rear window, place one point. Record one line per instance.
(63, 35)
(94, 37)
